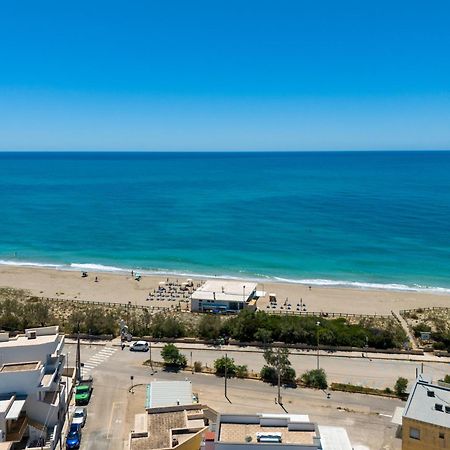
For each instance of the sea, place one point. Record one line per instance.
(358, 219)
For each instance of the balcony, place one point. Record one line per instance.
(16, 429)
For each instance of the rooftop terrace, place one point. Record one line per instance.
(20, 367)
(162, 427)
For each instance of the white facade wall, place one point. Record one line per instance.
(26, 382)
(29, 352)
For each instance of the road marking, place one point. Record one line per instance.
(384, 415)
(114, 406)
(98, 358)
(109, 350)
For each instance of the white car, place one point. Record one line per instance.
(139, 346)
(79, 416)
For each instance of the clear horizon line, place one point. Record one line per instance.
(220, 150)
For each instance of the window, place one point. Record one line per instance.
(414, 433)
(441, 436)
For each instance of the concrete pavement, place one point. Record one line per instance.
(112, 407)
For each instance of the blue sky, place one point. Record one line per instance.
(218, 75)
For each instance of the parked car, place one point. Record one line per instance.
(139, 346)
(73, 439)
(79, 416)
(83, 394)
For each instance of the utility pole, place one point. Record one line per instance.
(192, 366)
(318, 364)
(78, 361)
(150, 357)
(280, 400)
(226, 375)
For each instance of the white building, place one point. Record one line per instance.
(277, 432)
(223, 296)
(33, 391)
(161, 394)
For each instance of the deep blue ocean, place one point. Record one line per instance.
(358, 218)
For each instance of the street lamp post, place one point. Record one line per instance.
(150, 357)
(226, 375)
(318, 353)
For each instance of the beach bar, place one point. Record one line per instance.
(223, 296)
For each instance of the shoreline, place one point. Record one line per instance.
(122, 288)
(317, 282)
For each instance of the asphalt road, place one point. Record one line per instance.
(372, 372)
(112, 407)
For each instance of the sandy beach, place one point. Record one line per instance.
(115, 287)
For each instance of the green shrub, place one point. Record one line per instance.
(209, 327)
(315, 378)
(269, 375)
(446, 379)
(241, 371)
(172, 357)
(400, 386)
(222, 363)
(198, 366)
(166, 327)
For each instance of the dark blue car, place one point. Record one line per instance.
(73, 439)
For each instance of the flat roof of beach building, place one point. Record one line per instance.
(225, 290)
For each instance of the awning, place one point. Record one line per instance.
(14, 411)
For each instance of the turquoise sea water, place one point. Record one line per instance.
(327, 218)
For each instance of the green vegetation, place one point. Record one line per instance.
(198, 366)
(361, 389)
(241, 371)
(434, 320)
(400, 386)
(249, 326)
(166, 327)
(277, 362)
(209, 327)
(172, 357)
(316, 378)
(18, 311)
(223, 363)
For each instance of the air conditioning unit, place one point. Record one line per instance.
(268, 437)
(31, 334)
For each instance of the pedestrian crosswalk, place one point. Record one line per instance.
(97, 359)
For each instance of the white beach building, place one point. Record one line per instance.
(223, 296)
(34, 392)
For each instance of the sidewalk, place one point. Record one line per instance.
(430, 358)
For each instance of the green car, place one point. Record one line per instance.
(82, 394)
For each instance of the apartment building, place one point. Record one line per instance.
(34, 389)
